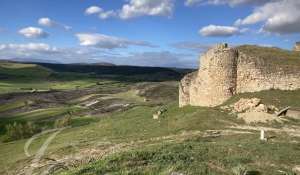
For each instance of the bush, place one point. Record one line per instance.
(60, 123)
(18, 131)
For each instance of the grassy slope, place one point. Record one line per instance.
(196, 155)
(191, 156)
(17, 77)
(137, 124)
(273, 59)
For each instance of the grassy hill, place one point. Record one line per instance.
(111, 130)
(273, 59)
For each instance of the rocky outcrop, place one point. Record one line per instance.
(226, 71)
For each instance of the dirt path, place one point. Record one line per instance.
(291, 130)
(101, 150)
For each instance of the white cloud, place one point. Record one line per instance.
(221, 31)
(33, 32)
(46, 53)
(225, 2)
(47, 22)
(36, 47)
(107, 14)
(281, 17)
(136, 8)
(108, 42)
(93, 10)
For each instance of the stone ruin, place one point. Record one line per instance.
(226, 71)
(297, 47)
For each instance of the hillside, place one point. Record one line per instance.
(275, 59)
(110, 127)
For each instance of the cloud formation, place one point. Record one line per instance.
(42, 51)
(47, 22)
(231, 3)
(33, 32)
(108, 42)
(282, 17)
(136, 8)
(219, 31)
(93, 10)
(102, 14)
(30, 47)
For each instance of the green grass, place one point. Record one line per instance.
(278, 98)
(274, 59)
(131, 125)
(16, 71)
(9, 86)
(274, 55)
(129, 95)
(16, 65)
(193, 155)
(200, 156)
(14, 105)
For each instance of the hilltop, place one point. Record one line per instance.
(225, 72)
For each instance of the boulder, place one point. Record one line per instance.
(244, 105)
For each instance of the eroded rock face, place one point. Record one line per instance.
(227, 71)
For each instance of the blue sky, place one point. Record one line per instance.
(169, 33)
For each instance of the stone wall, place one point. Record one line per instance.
(297, 47)
(227, 71)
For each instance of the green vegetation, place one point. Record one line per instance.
(18, 131)
(14, 105)
(223, 155)
(189, 140)
(278, 98)
(273, 57)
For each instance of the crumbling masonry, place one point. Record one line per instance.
(227, 71)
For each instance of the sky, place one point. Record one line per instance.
(164, 33)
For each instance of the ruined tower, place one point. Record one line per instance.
(297, 47)
(226, 71)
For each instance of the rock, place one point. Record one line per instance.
(248, 105)
(158, 113)
(296, 169)
(273, 108)
(258, 117)
(261, 108)
(155, 116)
(226, 71)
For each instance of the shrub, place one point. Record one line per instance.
(18, 131)
(60, 123)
